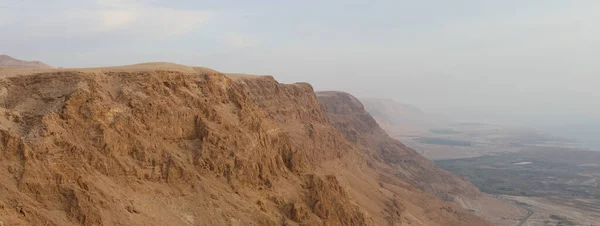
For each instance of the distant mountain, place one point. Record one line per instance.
(585, 132)
(8, 61)
(401, 119)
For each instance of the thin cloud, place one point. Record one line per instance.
(237, 41)
(115, 19)
(103, 16)
(141, 17)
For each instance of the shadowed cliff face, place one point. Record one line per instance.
(172, 145)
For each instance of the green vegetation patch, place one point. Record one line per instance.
(442, 141)
(500, 175)
(562, 220)
(444, 131)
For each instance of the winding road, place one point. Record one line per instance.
(529, 213)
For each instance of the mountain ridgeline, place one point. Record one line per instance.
(7, 61)
(166, 144)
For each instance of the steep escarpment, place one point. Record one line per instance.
(349, 116)
(397, 164)
(164, 144)
(165, 147)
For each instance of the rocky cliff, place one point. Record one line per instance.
(349, 116)
(165, 144)
(402, 121)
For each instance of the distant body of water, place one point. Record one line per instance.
(588, 134)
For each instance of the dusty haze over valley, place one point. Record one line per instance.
(153, 112)
(500, 61)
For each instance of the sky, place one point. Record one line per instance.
(524, 62)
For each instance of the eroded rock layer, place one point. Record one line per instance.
(171, 145)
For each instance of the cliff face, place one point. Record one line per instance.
(163, 144)
(349, 116)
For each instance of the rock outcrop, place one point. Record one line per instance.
(164, 144)
(349, 116)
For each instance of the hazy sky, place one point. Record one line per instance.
(534, 61)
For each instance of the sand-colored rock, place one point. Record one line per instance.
(165, 144)
(349, 115)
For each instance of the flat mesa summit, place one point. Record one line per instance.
(166, 144)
